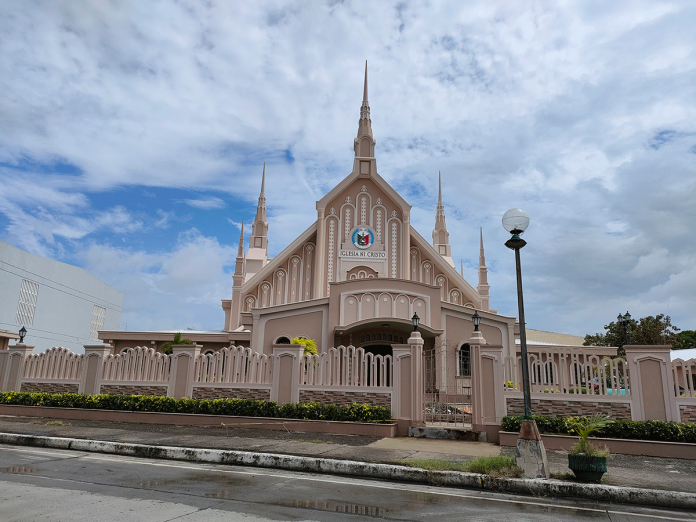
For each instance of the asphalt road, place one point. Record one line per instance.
(55, 485)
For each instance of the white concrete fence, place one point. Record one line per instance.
(645, 385)
(341, 375)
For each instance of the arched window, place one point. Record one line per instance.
(464, 361)
(282, 340)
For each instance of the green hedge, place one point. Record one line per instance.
(621, 429)
(236, 407)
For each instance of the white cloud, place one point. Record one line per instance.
(208, 203)
(582, 114)
(171, 289)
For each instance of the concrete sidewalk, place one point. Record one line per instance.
(676, 476)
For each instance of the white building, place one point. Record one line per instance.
(58, 304)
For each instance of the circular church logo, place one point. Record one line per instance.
(363, 238)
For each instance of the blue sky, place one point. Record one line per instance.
(133, 134)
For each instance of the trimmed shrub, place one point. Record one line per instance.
(235, 407)
(620, 429)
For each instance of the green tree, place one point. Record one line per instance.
(648, 330)
(685, 339)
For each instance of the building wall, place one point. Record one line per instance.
(62, 300)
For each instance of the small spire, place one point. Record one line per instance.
(439, 184)
(483, 286)
(482, 256)
(440, 233)
(263, 179)
(461, 266)
(240, 250)
(365, 90)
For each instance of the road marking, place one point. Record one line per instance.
(39, 452)
(310, 476)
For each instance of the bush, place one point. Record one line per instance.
(167, 348)
(310, 345)
(236, 407)
(620, 429)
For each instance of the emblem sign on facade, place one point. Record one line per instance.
(363, 238)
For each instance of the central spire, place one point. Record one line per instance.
(440, 233)
(364, 142)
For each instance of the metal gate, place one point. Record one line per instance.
(447, 398)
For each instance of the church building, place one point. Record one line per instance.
(356, 277)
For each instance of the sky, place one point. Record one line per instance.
(133, 135)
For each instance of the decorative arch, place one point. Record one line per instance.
(351, 309)
(361, 272)
(294, 282)
(379, 215)
(280, 281)
(402, 308)
(385, 306)
(249, 303)
(332, 231)
(415, 264)
(265, 294)
(427, 272)
(308, 286)
(368, 306)
(363, 207)
(348, 219)
(442, 281)
(394, 244)
(455, 296)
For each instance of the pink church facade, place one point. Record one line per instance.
(355, 277)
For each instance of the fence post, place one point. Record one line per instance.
(652, 385)
(286, 373)
(181, 372)
(488, 401)
(13, 370)
(409, 388)
(93, 368)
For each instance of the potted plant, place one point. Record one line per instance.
(588, 462)
(167, 349)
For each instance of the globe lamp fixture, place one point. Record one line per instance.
(516, 222)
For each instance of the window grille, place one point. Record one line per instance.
(98, 314)
(464, 360)
(27, 303)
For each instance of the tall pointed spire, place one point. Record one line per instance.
(263, 182)
(257, 257)
(483, 286)
(365, 89)
(440, 233)
(240, 249)
(232, 314)
(461, 267)
(439, 191)
(364, 142)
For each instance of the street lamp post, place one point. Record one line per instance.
(516, 222)
(624, 321)
(530, 454)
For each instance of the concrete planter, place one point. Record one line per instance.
(587, 468)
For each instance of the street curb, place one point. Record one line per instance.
(534, 487)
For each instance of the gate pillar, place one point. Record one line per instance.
(488, 402)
